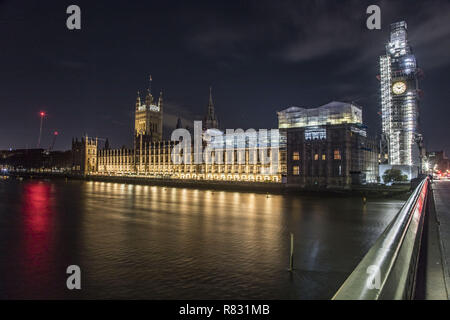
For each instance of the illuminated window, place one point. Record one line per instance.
(324, 157)
(296, 170)
(316, 157)
(296, 156)
(337, 155)
(314, 133)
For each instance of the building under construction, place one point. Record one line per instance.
(328, 146)
(400, 94)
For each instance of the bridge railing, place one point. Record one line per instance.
(388, 270)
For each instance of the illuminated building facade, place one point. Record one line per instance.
(84, 155)
(328, 146)
(148, 121)
(323, 147)
(399, 76)
(154, 160)
(151, 156)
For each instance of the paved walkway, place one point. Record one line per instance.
(441, 193)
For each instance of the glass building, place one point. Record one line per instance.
(330, 114)
(327, 146)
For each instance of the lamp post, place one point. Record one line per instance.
(418, 138)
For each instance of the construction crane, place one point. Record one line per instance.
(42, 116)
(55, 134)
(50, 148)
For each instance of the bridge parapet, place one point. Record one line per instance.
(388, 270)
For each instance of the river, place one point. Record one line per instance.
(148, 242)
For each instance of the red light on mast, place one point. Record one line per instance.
(42, 114)
(55, 133)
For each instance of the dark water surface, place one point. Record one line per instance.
(144, 242)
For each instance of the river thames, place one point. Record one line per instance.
(148, 242)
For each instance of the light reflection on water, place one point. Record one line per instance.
(151, 242)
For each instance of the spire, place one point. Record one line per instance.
(210, 118)
(138, 100)
(150, 84)
(210, 105)
(107, 144)
(160, 99)
(149, 97)
(179, 124)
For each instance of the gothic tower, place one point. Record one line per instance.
(149, 117)
(210, 121)
(400, 95)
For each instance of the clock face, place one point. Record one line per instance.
(399, 87)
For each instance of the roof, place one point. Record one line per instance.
(335, 112)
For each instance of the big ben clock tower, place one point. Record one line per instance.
(399, 76)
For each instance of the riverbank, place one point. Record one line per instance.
(368, 191)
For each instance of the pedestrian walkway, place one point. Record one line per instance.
(439, 242)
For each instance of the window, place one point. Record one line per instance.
(324, 157)
(337, 155)
(314, 133)
(296, 170)
(296, 156)
(316, 156)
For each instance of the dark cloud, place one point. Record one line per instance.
(431, 36)
(302, 31)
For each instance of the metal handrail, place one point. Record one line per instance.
(388, 270)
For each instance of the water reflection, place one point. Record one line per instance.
(34, 247)
(36, 209)
(152, 242)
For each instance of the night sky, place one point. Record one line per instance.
(259, 56)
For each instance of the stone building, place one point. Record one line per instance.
(154, 160)
(324, 147)
(84, 155)
(151, 156)
(148, 120)
(328, 146)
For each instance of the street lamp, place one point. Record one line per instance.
(418, 138)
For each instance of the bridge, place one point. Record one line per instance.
(411, 258)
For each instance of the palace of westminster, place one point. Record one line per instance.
(151, 156)
(325, 147)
